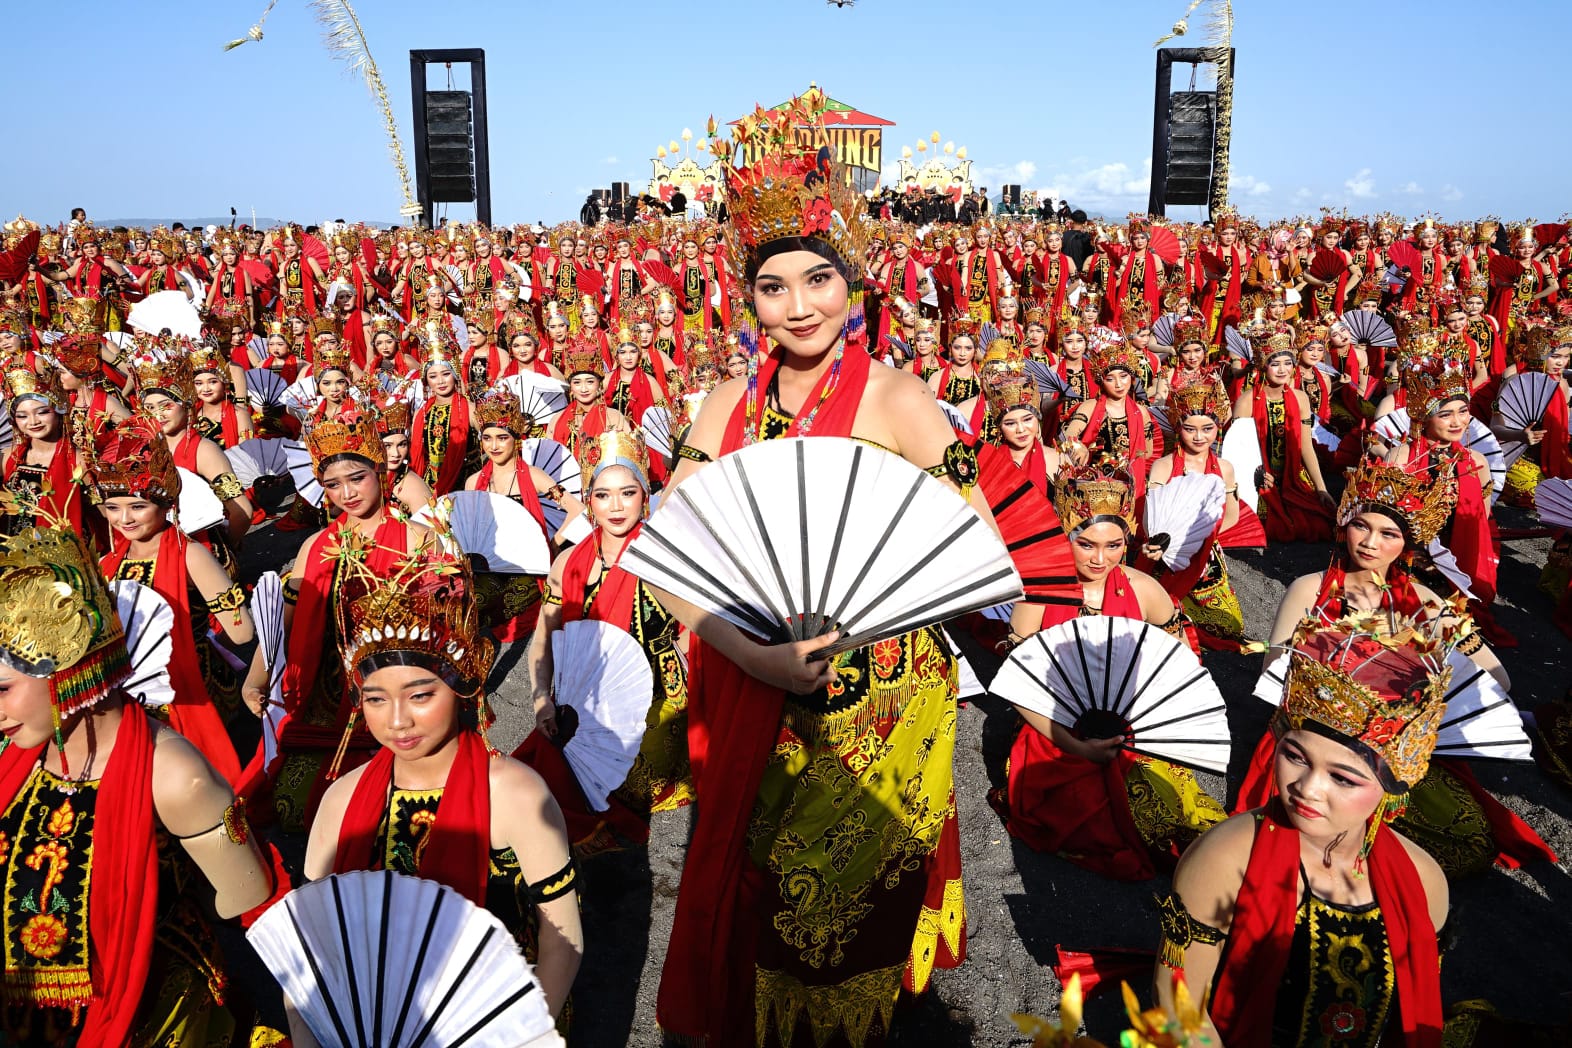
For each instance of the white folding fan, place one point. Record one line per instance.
(1237, 344)
(267, 611)
(602, 674)
(556, 461)
(1323, 436)
(301, 397)
(166, 310)
(1393, 427)
(302, 472)
(1109, 676)
(953, 416)
(379, 958)
(540, 396)
(492, 527)
(256, 458)
(1185, 510)
(967, 683)
(265, 388)
(147, 620)
(1553, 501)
(1242, 448)
(198, 508)
(1522, 403)
(1445, 561)
(656, 424)
(1480, 720)
(789, 539)
(7, 434)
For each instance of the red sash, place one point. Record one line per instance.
(706, 987)
(192, 713)
(1297, 515)
(641, 396)
(458, 850)
(526, 485)
(61, 501)
(1136, 421)
(614, 599)
(1263, 930)
(124, 884)
(1555, 457)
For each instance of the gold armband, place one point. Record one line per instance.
(1180, 930)
(231, 599)
(554, 887)
(226, 486)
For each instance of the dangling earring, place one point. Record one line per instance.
(343, 745)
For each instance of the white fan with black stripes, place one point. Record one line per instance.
(1393, 427)
(267, 611)
(952, 414)
(541, 397)
(198, 508)
(1242, 448)
(1049, 382)
(1108, 676)
(380, 958)
(303, 472)
(656, 425)
(147, 621)
(492, 527)
(256, 458)
(1553, 501)
(1481, 719)
(265, 388)
(1522, 402)
(789, 539)
(1181, 515)
(604, 677)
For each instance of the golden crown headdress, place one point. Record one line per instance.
(58, 618)
(22, 382)
(1106, 349)
(1006, 385)
(208, 359)
(334, 357)
(164, 366)
(1433, 379)
(1099, 492)
(132, 459)
(1203, 394)
(622, 449)
(79, 354)
(583, 356)
(438, 343)
(500, 408)
(424, 611)
(394, 415)
(1189, 327)
(382, 323)
(84, 316)
(355, 435)
(16, 320)
(1533, 342)
(1376, 683)
(788, 186)
(700, 354)
(1421, 504)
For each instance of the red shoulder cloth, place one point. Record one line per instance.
(614, 600)
(458, 853)
(1263, 930)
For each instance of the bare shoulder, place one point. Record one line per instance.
(1162, 471)
(188, 794)
(896, 382)
(1212, 869)
(1156, 604)
(1304, 588)
(1224, 467)
(1437, 893)
(517, 781)
(710, 426)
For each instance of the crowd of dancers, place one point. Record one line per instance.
(469, 428)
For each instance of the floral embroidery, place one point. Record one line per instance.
(43, 936)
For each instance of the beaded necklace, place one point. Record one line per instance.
(753, 424)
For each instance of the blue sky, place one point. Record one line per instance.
(1434, 106)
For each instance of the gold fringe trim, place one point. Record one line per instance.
(948, 923)
(1171, 954)
(50, 988)
(850, 1006)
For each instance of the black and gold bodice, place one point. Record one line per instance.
(1311, 385)
(27, 484)
(653, 626)
(622, 397)
(1276, 434)
(959, 390)
(208, 428)
(434, 435)
(46, 843)
(1339, 986)
(406, 830)
(1113, 437)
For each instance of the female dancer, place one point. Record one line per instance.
(587, 582)
(1113, 424)
(136, 484)
(579, 426)
(41, 467)
(440, 439)
(105, 943)
(406, 489)
(1278, 906)
(776, 853)
(1091, 800)
(431, 802)
(957, 382)
(219, 416)
(1386, 513)
(1295, 503)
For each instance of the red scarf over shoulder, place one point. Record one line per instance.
(192, 713)
(1555, 456)
(614, 599)
(526, 488)
(1263, 930)
(706, 987)
(1297, 515)
(63, 500)
(445, 477)
(458, 852)
(1137, 420)
(122, 895)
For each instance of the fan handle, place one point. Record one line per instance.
(1103, 724)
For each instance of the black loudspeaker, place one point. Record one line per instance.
(1012, 196)
(1192, 131)
(619, 192)
(450, 143)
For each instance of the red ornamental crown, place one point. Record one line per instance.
(132, 459)
(1201, 395)
(500, 408)
(356, 435)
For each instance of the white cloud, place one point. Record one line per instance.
(1248, 185)
(1451, 193)
(1302, 194)
(611, 160)
(1411, 189)
(1025, 170)
(1362, 185)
